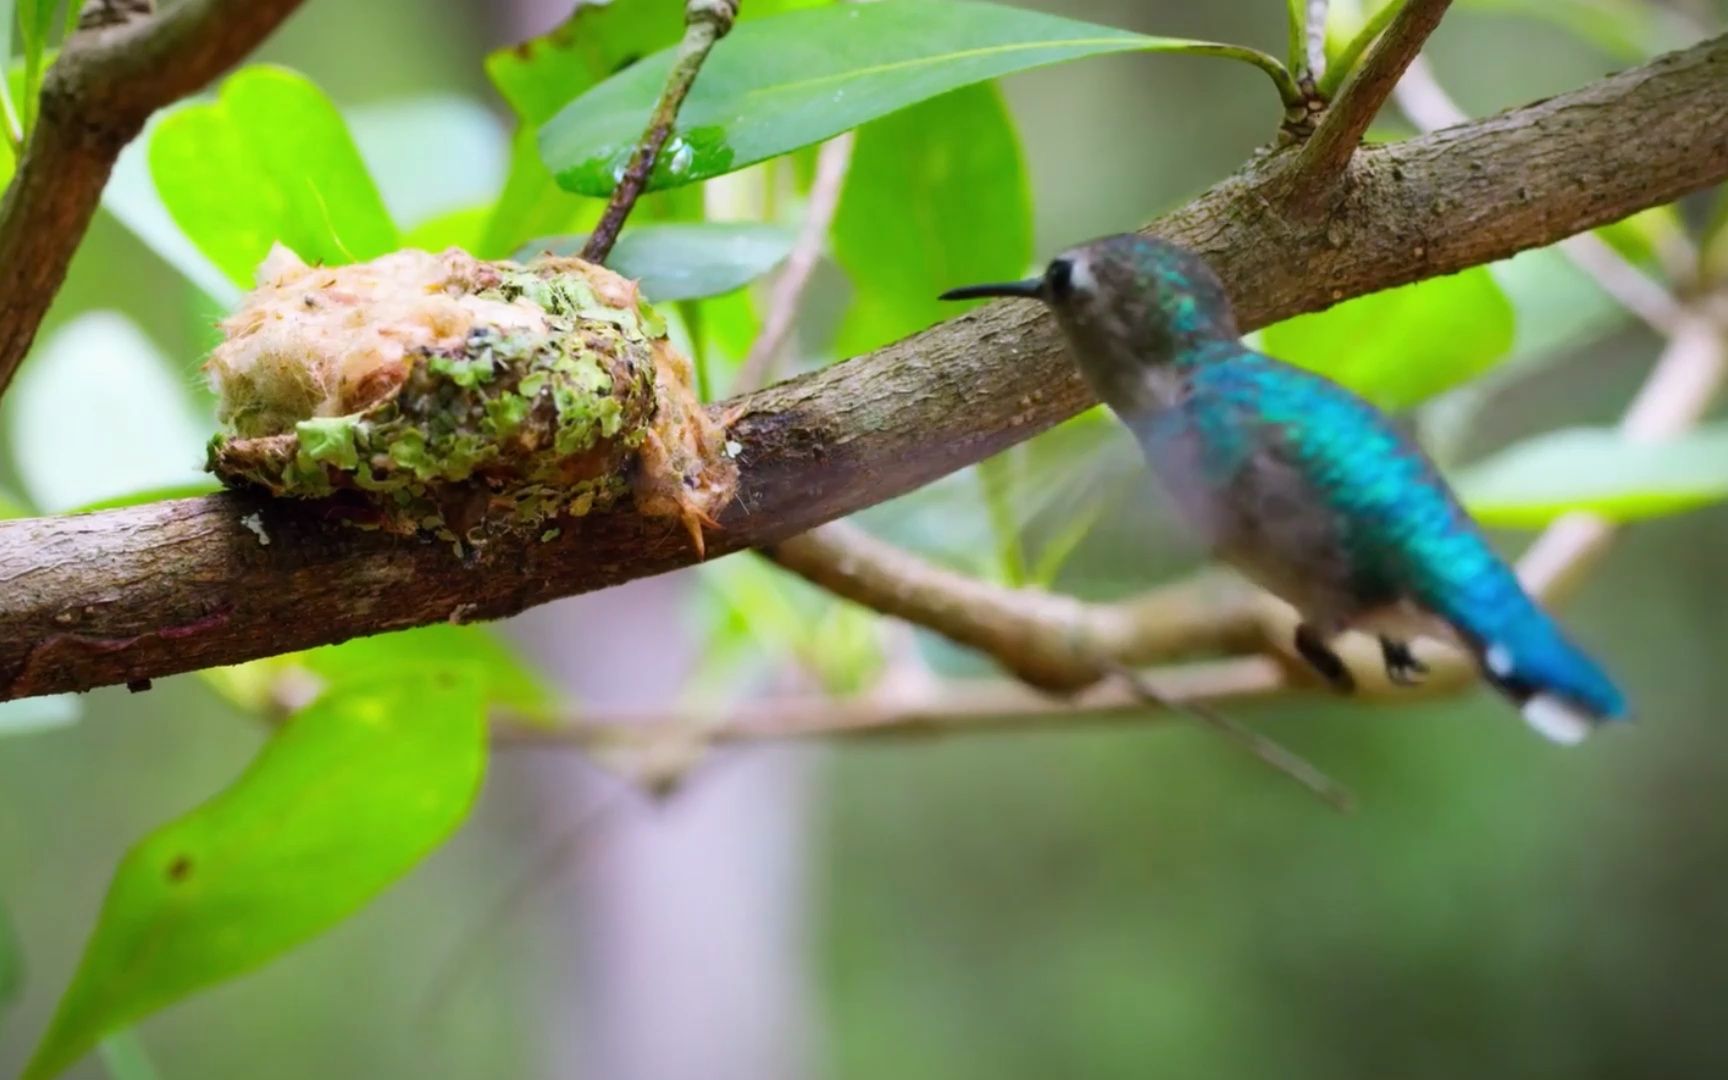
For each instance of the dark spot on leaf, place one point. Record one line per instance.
(180, 869)
(626, 62)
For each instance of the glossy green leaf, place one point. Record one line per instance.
(132, 198)
(346, 798)
(924, 210)
(780, 83)
(1403, 345)
(98, 413)
(686, 261)
(1597, 469)
(270, 160)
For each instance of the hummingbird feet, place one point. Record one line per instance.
(1313, 648)
(1402, 667)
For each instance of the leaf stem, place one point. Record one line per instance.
(1289, 91)
(1296, 31)
(705, 22)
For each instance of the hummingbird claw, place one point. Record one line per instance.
(1313, 648)
(1402, 667)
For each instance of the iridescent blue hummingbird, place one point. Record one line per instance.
(1303, 486)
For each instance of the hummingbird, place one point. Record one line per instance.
(1304, 487)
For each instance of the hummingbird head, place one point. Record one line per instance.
(1134, 309)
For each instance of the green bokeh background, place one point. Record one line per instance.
(1128, 903)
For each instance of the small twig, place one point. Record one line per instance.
(1269, 751)
(95, 100)
(762, 364)
(1321, 162)
(705, 22)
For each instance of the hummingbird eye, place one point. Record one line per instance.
(1060, 275)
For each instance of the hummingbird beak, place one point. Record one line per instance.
(1030, 289)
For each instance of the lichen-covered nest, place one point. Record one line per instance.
(447, 395)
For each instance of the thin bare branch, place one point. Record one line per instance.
(1325, 157)
(95, 99)
(762, 364)
(705, 22)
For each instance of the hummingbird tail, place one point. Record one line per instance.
(1562, 692)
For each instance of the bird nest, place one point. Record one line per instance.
(451, 396)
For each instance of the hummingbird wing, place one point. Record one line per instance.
(1316, 493)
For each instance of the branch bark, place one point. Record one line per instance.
(1327, 153)
(95, 100)
(149, 591)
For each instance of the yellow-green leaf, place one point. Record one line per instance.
(1598, 470)
(1403, 345)
(269, 160)
(346, 798)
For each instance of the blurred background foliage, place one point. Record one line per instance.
(1101, 903)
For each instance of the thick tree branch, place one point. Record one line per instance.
(153, 590)
(95, 99)
(1327, 153)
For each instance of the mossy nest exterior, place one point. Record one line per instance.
(447, 395)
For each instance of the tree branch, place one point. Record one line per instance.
(705, 22)
(1327, 153)
(152, 590)
(95, 100)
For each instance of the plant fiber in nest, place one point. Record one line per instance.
(447, 395)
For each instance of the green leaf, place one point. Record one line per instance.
(463, 228)
(925, 209)
(537, 78)
(1598, 470)
(780, 83)
(269, 161)
(686, 261)
(505, 681)
(1403, 345)
(98, 413)
(345, 799)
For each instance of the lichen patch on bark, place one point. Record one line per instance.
(447, 395)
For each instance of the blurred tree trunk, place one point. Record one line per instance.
(686, 942)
